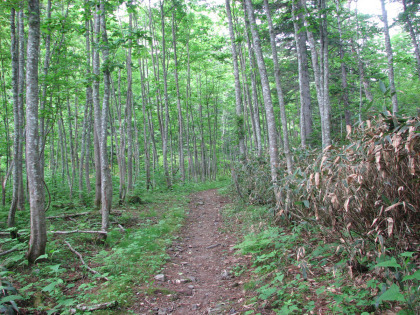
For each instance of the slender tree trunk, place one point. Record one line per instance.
(97, 111)
(21, 91)
(38, 238)
(238, 96)
(106, 184)
(255, 101)
(389, 54)
(304, 87)
(283, 117)
(16, 120)
(344, 85)
(129, 107)
(413, 36)
(271, 122)
(166, 99)
(178, 98)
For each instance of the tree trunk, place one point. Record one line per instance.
(38, 238)
(271, 122)
(106, 183)
(97, 110)
(178, 98)
(389, 54)
(413, 36)
(283, 117)
(238, 97)
(304, 82)
(16, 120)
(129, 107)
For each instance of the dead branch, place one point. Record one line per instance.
(78, 231)
(83, 262)
(70, 215)
(10, 251)
(96, 307)
(120, 226)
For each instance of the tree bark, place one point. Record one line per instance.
(389, 54)
(106, 183)
(283, 117)
(38, 238)
(304, 82)
(238, 97)
(413, 36)
(271, 122)
(178, 98)
(16, 120)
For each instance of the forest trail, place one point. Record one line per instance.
(197, 279)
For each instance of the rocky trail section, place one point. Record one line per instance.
(198, 277)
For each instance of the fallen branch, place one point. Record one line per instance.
(120, 226)
(70, 215)
(96, 307)
(83, 262)
(10, 251)
(78, 231)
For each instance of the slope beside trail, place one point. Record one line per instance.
(198, 277)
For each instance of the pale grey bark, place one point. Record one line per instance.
(38, 237)
(413, 36)
(390, 57)
(321, 72)
(255, 100)
(16, 120)
(283, 117)
(178, 102)
(238, 97)
(271, 122)
(129, 107)
(106, 183)
(304, 82)
(21, 91)
(166, 100)
(344, 84)
(96, 109)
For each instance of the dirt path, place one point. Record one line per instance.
(197, 279)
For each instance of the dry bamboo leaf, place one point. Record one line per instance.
(369, 123)
(348, 227)
(348, 129)
(390, 225)
(374, 221)
(351, 178)
(411, 166)
(393, 206)
(317, 178)
(324, 158)
(396, 142)
(337, 159)
(334, 201)
(378, 156)
(346, 204)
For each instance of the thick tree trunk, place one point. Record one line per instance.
(389, 54)
(283, 117)
(271, 122)
(238, 97)
(38, 238)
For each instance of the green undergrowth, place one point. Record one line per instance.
(305, 269)
(134, 250)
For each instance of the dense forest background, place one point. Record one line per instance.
(297, 101)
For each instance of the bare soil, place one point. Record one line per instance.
(198, 278)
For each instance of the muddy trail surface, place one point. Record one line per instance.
(198, 279)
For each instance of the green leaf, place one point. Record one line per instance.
(306, 203)
(407, 254)
(414, 276)
(392, 294)
(10, 298)
(389, 263)
(45, 256)
(382, 86)
(51, 286)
